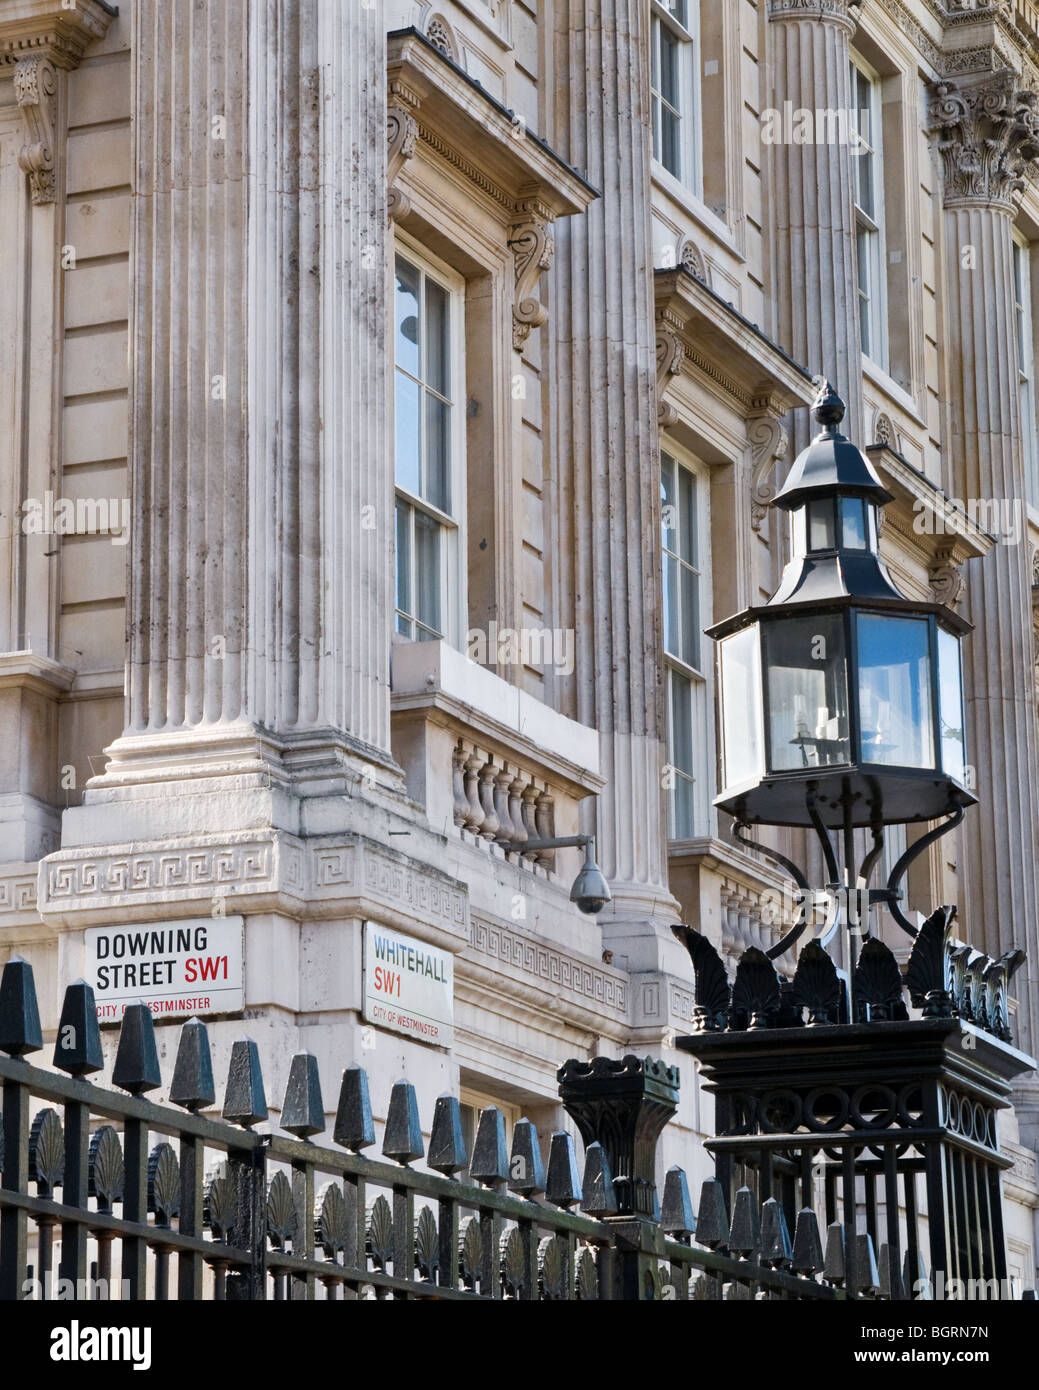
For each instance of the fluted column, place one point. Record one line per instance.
(259, 591)
(813, 214)
(605, 444)
(986, 130)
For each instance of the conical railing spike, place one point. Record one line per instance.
(563, 1186)
(490, 1160)
(403, 1138)
(833, 1263)
(712, 1220)
(598, 1197)
(866, 1274)
(20, 1030)
(808, 1248)
(303, 1110)
(136, 1066)
(245, 1102)
(78, 1047)
(354, 1127)
(676, 1210)
(776, 1247)
(447, 1153)
(745, 1231)
(192, 1087)
(526, 1170)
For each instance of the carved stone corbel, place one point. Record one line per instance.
(769, 441)
(670, 354)
(35, 90)
(532, 247)
(401, 138)
(946, 577)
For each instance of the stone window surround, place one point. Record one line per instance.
(480, 191)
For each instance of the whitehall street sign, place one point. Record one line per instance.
(177, 968)
(409, 986)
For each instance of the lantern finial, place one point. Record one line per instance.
(828, 408)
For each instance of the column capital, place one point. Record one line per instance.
(842, 12)
(988, 135)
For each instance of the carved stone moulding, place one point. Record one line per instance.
(40, 38)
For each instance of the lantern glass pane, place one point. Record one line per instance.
(853, 523)
(739, 661)
(806, 673)
(820, 524)
(950, 707)
(895, 715)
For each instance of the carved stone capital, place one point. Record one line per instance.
(35, 90)
(946, 578)
(670, 354)
(401, 139)
(769, 441)
(842, 12)
(532, 248)
(988, 135)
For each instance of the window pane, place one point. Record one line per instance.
(895, 691)
(670, 142)
(427, 573)
(670, 68)
(807, 692)
(950, 704)
(438, 453)
(672, 615)
(681, 753)
(853, 524)
(403, 564)
(740, 705)
(406, 314)
(820, 525)
(687, 514)
(437, 364)
(407, 432)
(690, 652)
(668, 504)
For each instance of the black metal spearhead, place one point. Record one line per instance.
(563, 1188)
(78, 1048)
(193, 1087)
(745, 1235)
(447, 1153)
(676, 1210)
(354, 1128)
(526, 1170)
(776, 1248)
(712, 1224)
(808, 1246)
(598, 1197)
(19, 1015)
(244, 1100)
(303, 1110)
(490, 1161)
(136, 1060)
(403, 1140)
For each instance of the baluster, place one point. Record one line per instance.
(506, 830)
(489, 828)
(471, 769)
(544, 820)
(519, 830)
(461, 801)
(529, 815)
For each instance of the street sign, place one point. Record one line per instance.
(192, 966)
(408, 986)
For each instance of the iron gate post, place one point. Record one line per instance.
(624, 1105)
(247, 1169)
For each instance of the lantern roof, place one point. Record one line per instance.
(831, 465)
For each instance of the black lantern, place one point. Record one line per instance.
(841, 699)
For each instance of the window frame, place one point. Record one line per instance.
(870, 227)
(689, 114)
(452, 525)
(676, 668)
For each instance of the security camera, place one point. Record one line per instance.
(590, 892)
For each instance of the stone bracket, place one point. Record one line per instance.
(35, 89)
(769, 441)
(532, 247)
(402, 136)
(670, 355)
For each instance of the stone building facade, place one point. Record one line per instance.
(393, 391)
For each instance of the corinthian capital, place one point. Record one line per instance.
(988, 135)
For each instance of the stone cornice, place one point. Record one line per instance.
(39, 673)
(35, 28)
(988, 136)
